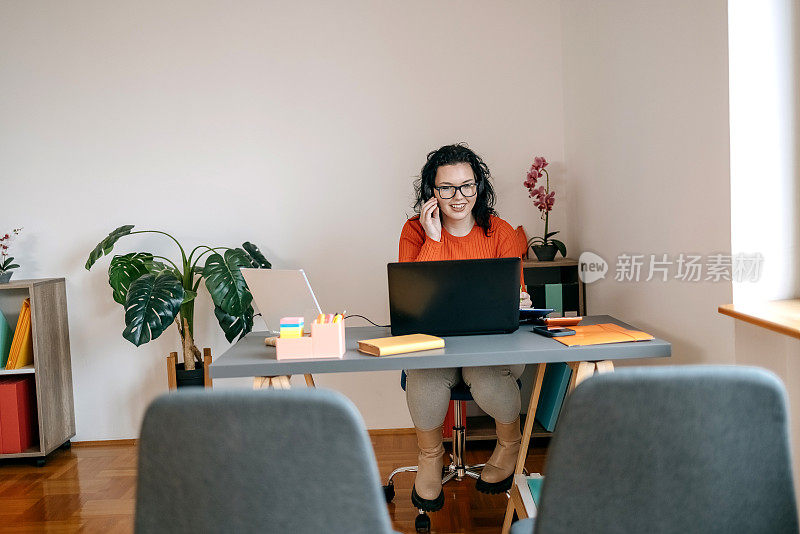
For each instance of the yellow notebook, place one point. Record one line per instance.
(21, 353)
(384, 346)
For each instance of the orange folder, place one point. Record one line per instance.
(21, 353)
(599, 334)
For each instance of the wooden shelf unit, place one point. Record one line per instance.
(481, 427)
(52, 364)
(559, 271)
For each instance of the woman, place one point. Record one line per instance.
(457, 221)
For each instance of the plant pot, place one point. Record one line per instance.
(545, 252)
(6, 277)
(192, 378)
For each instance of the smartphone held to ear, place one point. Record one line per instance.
(553, 331)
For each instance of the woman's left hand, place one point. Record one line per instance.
(525, 300)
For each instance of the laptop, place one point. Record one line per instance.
(454, 298)
(282, 293)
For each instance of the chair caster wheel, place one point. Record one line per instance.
(388, 492)
(40, 462)
(422, 523)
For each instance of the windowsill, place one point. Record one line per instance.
(782, 316)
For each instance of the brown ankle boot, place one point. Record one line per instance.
(498, 474)
(427, 493)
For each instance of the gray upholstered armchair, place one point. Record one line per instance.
(670, 449)
(297, 461)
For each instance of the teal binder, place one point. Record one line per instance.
(535, 485)
(6, 335)
(554, 298)
(554, 389)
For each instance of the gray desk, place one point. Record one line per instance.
(250, 357)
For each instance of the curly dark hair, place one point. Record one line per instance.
(450, 155)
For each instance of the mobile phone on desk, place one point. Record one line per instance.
(554, 331)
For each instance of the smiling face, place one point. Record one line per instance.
(459, 207)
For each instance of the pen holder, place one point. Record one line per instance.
(326, 341)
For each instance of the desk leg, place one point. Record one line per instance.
(277, 382)
(526, 438)
(573, 366)
(585, 370)
(281, 382)
(606, 366)
(310, 381)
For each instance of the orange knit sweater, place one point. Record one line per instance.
(500, 243)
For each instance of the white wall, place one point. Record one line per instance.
(298, 126)
(646, 144)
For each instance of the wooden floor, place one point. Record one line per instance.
(93, 489)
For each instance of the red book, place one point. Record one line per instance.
(17, 417)
(449, 419)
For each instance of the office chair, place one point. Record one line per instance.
(457, 469)
(297, 461)
(670, 449)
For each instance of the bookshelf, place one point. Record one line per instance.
(52, 365)
(537, 274)
(562, 271)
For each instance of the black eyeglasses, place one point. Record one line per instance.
(449, 191)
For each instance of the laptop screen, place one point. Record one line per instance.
(457, 297)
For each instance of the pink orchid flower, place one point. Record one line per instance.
(549, 200)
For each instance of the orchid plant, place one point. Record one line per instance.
(7, 262)
(543, 199)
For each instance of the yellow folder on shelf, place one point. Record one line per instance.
(385, 346)
(21, 353)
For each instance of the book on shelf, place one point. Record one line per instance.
(535, 481)
(530, 491)
(6, 335)
(18, 421)
(551, 397)
(21, 353)
(450, 418)
(561, 298)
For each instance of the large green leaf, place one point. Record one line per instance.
(225, 283)
(560, 246)
(155, 266)
(235, 326)
(107, 245)
(188, 296)
(152, 303)
(126, 269)
(258, 259)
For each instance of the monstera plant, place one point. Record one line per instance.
(156, 291)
